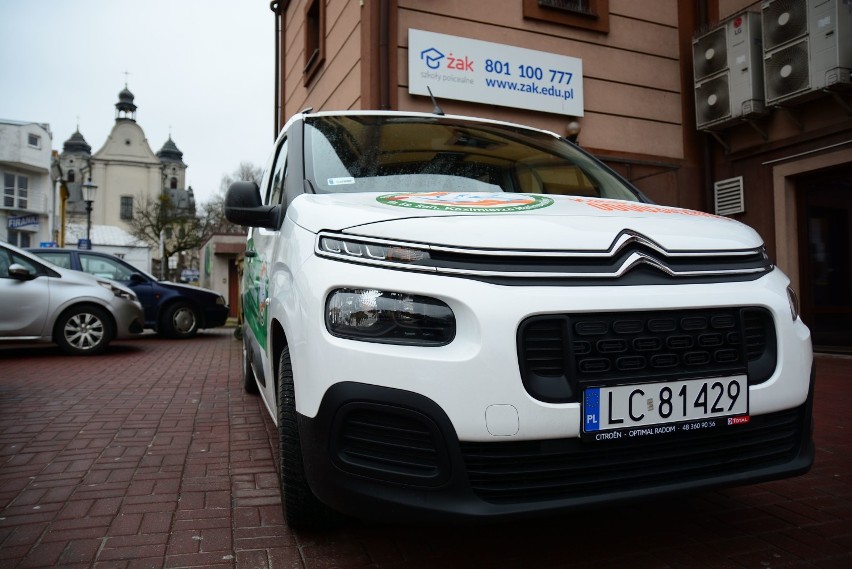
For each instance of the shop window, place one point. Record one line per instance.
(19, 239)
(588, 14)
(314, 37)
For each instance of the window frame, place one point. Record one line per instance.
(275, 195)
(125, 205)
(118, 271)
(16, 195)
(60, 259)
(314, 38)
(22, 239)
(596, 19)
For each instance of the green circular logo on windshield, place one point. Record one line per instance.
(467, 202)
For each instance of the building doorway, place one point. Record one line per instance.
(233, 287)
(824, 204)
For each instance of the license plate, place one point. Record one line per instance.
(619, 411)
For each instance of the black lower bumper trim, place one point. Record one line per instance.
(388, 454)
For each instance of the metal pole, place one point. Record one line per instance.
(88, 220)
(162, 256)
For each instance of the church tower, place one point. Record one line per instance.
(76, 163)
(124, 108)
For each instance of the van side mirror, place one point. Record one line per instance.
(243, 206)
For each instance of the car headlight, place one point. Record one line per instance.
(389, 317)
(220, 300)
(118, 291)
(794, 302)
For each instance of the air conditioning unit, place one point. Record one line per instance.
(728, 73)
(807, 47)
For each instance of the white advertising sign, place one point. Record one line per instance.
(492, 73)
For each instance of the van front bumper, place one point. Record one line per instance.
(389, 454)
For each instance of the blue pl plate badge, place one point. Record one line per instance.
(591, 409)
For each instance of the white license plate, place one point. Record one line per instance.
(660, 408)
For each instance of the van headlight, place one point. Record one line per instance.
(387, 317)
(373, 252)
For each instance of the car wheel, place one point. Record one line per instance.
(302, 509)
(249, 382)
(179, 321)
(83, 330)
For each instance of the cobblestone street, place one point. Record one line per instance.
(153, 456)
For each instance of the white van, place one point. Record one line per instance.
(450, 317)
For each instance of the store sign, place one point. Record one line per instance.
(495, 74)
(22, 221)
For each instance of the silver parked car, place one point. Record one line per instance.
(81, 313)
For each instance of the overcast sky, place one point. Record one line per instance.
(200, 69)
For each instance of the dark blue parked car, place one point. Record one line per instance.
(173, 310)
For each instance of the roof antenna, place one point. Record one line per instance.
(437, 110)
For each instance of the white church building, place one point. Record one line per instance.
(125, 172)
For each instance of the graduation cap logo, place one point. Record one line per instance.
(432, 57)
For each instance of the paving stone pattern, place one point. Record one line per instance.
(153, 456)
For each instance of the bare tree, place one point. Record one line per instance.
(213, 210)
(158, 222)
(245, 172)
(177, 229)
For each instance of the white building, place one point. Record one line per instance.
(126, 173)
(113, 240)
(26, 206)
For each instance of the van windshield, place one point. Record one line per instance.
(380, 153)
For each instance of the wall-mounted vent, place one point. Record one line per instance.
(729, 196)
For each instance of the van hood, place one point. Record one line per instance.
(517, 221)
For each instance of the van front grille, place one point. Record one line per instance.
(557, 353)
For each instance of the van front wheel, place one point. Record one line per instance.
(302, 509)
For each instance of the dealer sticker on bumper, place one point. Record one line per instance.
(648, 409)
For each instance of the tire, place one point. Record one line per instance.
(302, 509)
(179, 321)
(249, 382)
(83, 330)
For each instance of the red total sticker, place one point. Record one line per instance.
(739, 420)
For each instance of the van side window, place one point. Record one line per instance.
(279, 175)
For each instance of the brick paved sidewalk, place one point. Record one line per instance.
(153, 456)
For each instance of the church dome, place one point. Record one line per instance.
(125, 108)
(77, 144)
(170, 153)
